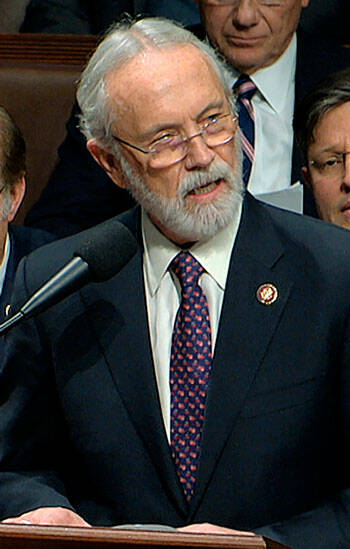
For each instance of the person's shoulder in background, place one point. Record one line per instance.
(91, 17)
(79, 193)
(23, 241)
(28, 239)
(56, 16)
(328, 20)
(317, 57)
(12, 15)
(73, 16)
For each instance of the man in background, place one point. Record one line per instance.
(208, 380)
(15, 241)
(322, 126)
(258, 38)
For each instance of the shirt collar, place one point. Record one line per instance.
(213, 254)
(3, 264)
(281, 72)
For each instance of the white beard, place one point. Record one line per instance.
(188, 220)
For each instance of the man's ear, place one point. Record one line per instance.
(306, 176)
(17, 194)
(108, 162)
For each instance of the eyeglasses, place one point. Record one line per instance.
(172, 148)
(264, 3)
(333, 168)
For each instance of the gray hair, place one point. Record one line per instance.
(329, 93)
(123, 43)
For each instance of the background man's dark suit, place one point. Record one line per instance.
(80, 194)
(23, 241)
(84, 413)
(94, 17)
(73, 16)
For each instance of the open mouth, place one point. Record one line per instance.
(206, 187)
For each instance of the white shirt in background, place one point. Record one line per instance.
(274, 108)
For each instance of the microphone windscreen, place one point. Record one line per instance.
(106, 249)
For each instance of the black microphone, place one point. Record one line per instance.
(106, 249)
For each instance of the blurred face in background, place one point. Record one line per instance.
(12, 173)
(251, 34)
(328, 168)
(10, 201)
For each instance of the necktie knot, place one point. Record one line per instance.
(244, 87)
(187, 269)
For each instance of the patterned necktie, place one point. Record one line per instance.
(190, 365)
(245, 89)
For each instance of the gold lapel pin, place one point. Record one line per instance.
(7, 309)
(267, 293)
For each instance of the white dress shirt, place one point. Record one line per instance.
(3, 264)
(273, 104)
(163, 293)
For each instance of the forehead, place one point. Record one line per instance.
(334, 125)
(163, 86)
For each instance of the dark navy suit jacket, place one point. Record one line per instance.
(74, 16)
(23, 240)
(80, 194)
(91, 17)
(80, 421)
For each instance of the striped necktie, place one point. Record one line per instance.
(190, 366)
(244, 89)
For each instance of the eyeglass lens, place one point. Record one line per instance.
(214, 135)
(332, 168)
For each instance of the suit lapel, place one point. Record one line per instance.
(15, 254)
(245, 332)
(7, 288)
(124, 339)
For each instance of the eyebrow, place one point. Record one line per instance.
(218, 104)
(212, 105)
(333, 150)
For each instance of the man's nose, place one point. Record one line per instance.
(245, 13)
(199, 154)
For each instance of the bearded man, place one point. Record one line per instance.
(207, 381)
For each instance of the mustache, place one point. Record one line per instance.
(199, 178)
